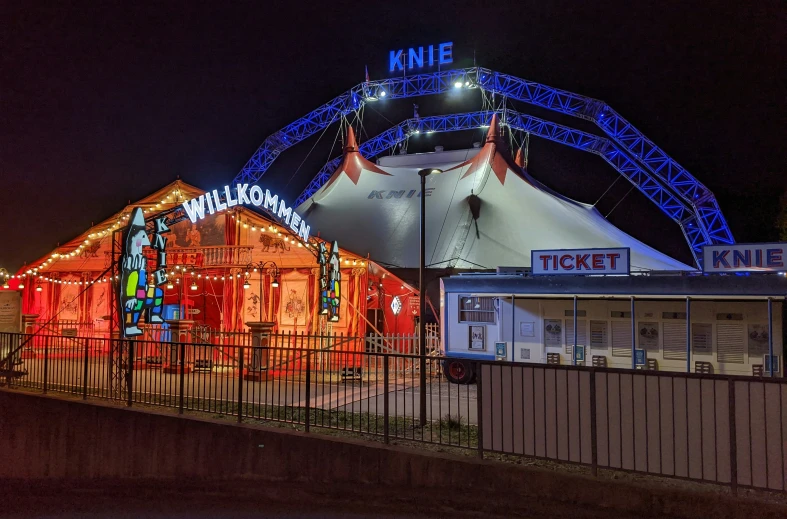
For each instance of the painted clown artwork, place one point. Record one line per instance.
(137, 296)
(330, 280)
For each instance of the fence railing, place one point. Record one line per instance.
(720, 429)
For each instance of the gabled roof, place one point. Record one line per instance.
(165, 198)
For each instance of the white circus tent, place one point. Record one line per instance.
(482, 211)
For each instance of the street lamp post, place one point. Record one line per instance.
(422, 299)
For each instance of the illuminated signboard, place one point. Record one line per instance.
(245, 195)
(136, 296)
(580, 262)
(419, 57)
(742, 257)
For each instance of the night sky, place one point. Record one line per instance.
(102, 105)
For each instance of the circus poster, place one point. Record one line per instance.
(294, 305)
(100, 304)
(205, 233)
(68, 306)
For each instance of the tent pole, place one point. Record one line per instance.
(770, 336)
(574, 349)
(688, 334)
(513, 325)
(633, 336)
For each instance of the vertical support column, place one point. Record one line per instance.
(260, 352)
(633, 335)
(46, 364)
(241, 356)
(28, 327)
(574, 349)
(688, 335)
(733, 437)
(593, 430)
(513, 326)
(386, 403)
(770, 336)
(181, 330)
(309, 387)
(422, 300)
(480, 408)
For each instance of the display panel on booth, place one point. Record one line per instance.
(581, 262)
(744, 257)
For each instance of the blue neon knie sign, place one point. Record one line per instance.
(420, 57)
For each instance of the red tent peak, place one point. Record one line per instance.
(493, 135)
(351, 145)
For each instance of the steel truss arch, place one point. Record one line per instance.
(642, 152)
(653, 188)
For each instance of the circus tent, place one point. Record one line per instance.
(482, 211)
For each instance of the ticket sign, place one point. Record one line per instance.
(580, 262)
(743, 257)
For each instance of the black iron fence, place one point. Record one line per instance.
(719, 429)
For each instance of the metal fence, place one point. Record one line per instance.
(719, 429)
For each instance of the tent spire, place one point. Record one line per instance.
(493, 135)
(352, 144)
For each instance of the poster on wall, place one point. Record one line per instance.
(68, 306)
(701, 338)
(553, 332)
(527, 329)
(204, 233)
(648, 336)
(294, 306)
(477, 338)
(10, 312)
(758, 340)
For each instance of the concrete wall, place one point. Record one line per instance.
(45, 437)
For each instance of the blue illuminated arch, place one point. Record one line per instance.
(632, 154)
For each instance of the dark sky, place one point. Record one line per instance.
(102, 103)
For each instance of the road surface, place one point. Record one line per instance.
(256, 499)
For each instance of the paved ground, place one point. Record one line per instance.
(251, 499)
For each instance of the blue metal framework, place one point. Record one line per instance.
(642, 154)
(652, 187)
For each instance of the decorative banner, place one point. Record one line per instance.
(253, 300)
(330, 281)
(294, 307)
(580, 262)
(763, 257)
(68, 305)
(135, 295)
